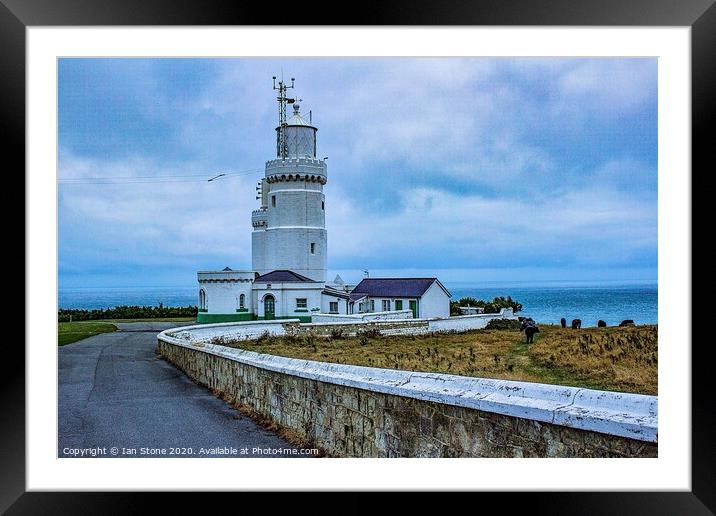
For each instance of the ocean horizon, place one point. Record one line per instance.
(545, 301)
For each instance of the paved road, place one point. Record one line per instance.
(115, 392)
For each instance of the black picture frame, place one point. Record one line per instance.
(17, 15)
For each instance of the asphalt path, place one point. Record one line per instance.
(118, 399)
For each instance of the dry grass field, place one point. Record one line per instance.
(616, 359)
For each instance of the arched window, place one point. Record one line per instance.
(242, 301)
(202, 299)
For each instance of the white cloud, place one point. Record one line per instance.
(608, 87)
(599, 225)
(154, 222)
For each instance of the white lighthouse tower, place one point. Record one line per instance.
(288, 243)
(290, 226)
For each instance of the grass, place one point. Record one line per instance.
(616, 359)
(69, 332)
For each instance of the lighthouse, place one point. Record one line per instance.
(289, 227)
(289, 246)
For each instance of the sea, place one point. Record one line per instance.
(546, 302)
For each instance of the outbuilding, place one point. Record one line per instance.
(426, 297)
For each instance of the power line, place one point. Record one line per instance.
(151, 179)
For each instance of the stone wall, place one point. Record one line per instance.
(353, 411)
(350, 329)
(369, 316)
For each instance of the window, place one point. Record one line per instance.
(202, 299)
(313, 248)
(333, 307)
(398, 304)
(386, 305)
(242, 301)
(372, 305)
(273, 201)
(301, 302)
(323, 205)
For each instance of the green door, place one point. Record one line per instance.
(414, 307)
(269, 308)
(398, 304)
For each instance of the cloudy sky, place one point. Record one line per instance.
(469, 169)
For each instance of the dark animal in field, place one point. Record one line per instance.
(563, 322)
(576, 324)
(627, 322)
(530, 333)
(601, 324)
(527, 322)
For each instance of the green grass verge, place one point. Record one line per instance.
(67, 332)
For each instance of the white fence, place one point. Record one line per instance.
(468, 322)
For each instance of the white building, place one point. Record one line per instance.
(290, 244)
(225, 295)
(426, 297)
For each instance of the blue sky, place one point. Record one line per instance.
(469, 169)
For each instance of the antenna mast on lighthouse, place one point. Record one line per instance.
(282, 101)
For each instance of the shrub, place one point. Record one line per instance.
(491, 307)
(291, 338)
(309, 340)
(265, 338)
(126, 312)
(503, 324)
(219, 340)
(369, 333)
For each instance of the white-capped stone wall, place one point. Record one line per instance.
(371, 412)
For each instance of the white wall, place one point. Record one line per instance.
(285, 295)
(222, 298)
(468, 322)
(258, 251)
(229, 331)
(434, 303)
(370, 316)
(386, 316)
(326, 300)
(288, 248)
(297, 219)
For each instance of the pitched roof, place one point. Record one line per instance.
(283, 276)
(394, 287)
(335, 293)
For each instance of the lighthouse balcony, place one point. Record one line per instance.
(259, 218)
(296, 169)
